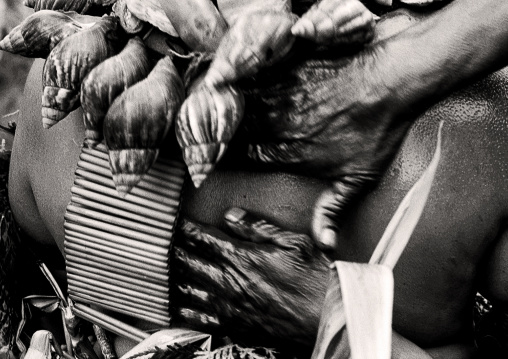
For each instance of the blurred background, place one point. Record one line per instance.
(13, 68)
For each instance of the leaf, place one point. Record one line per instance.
(334, 316)
(401, 226)
(52, 281)
(171, 339)
(367, 294)
(234, 351)
(46, 303)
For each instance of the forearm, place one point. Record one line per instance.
(459, 43)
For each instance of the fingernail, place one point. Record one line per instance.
(328, 239)
(234, 215)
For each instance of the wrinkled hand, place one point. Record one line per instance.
(342, 114)
(269, 282)
(332, 116)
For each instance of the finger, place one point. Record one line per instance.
(191, 296)
(220, 306)
(244, 224)
(211, 243)
(330, 207)
(324, 223)
(205, 322)
(250, 227)
(277, 153)
(223, 280)
(198, 270)
(206, 285)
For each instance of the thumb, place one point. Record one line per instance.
(325, 220)
(330, 207)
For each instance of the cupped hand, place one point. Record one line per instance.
(265, 283)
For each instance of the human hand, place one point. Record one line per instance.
(342, 115)
(330, 116)
(266, 283)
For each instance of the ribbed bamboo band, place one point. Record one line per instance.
(117, 249)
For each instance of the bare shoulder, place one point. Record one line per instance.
(43, 164)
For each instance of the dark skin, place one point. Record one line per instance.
(309, 126)
(451, 250)
(284, 251)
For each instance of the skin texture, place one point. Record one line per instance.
(254, 289)
(310, 126)
(435, 280)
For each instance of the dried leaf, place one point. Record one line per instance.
(52, 281)
(40, 345)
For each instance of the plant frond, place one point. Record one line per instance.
(234, 351)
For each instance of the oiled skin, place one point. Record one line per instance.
(435, 279)
(314, 124)
(465, 217)
(437, 276)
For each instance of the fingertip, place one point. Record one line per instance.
(179, 261)
(195, 233)
(193, 295)
(250, 227)
(239, 221)
(193, 239)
